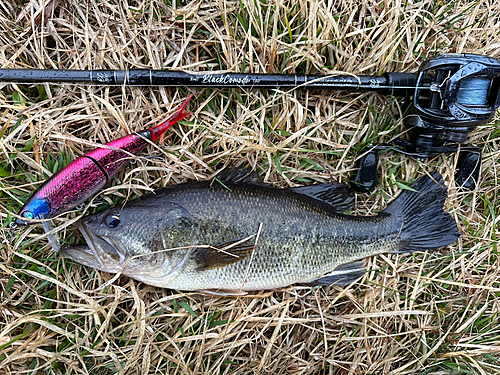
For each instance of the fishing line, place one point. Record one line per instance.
(474, 91)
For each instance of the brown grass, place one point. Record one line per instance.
(432, 313)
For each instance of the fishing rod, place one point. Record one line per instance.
(452, 94)
(399, 84)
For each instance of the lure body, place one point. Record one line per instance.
(85, 176)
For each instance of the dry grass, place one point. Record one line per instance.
(433, 313)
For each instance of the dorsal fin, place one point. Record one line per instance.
(340, 197)
(238, 175)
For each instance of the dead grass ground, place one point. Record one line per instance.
(433, 313)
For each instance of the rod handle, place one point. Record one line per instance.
(400, 84)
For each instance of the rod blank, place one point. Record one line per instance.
(390, 83)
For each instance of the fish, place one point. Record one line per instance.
(85, 176)
(235, 234)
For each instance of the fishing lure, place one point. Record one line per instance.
(85, 176)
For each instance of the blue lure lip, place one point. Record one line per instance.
(36, 209)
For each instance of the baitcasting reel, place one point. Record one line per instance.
(454, 93)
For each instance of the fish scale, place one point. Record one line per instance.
(317, 245)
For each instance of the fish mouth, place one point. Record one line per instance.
(82, 254)
(99, 252)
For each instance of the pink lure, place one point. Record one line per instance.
(85, 176)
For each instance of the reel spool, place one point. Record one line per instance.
(454, 94)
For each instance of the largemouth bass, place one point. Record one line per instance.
(236, 234)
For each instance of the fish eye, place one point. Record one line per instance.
(112, 221)
(28, 215)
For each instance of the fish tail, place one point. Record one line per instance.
(158, 130)
(425, 225)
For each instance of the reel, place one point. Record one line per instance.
(454, 93)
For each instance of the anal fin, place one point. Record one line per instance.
(342, 275)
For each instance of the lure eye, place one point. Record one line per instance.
(113, 221)
(28, 215)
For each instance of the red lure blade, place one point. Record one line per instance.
(158, 130)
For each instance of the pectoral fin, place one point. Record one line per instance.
(223, 254)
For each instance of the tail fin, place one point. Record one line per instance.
(425, 224)
(158, 130)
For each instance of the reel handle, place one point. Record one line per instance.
(454, 93)
(364, 179)
(468, 167)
